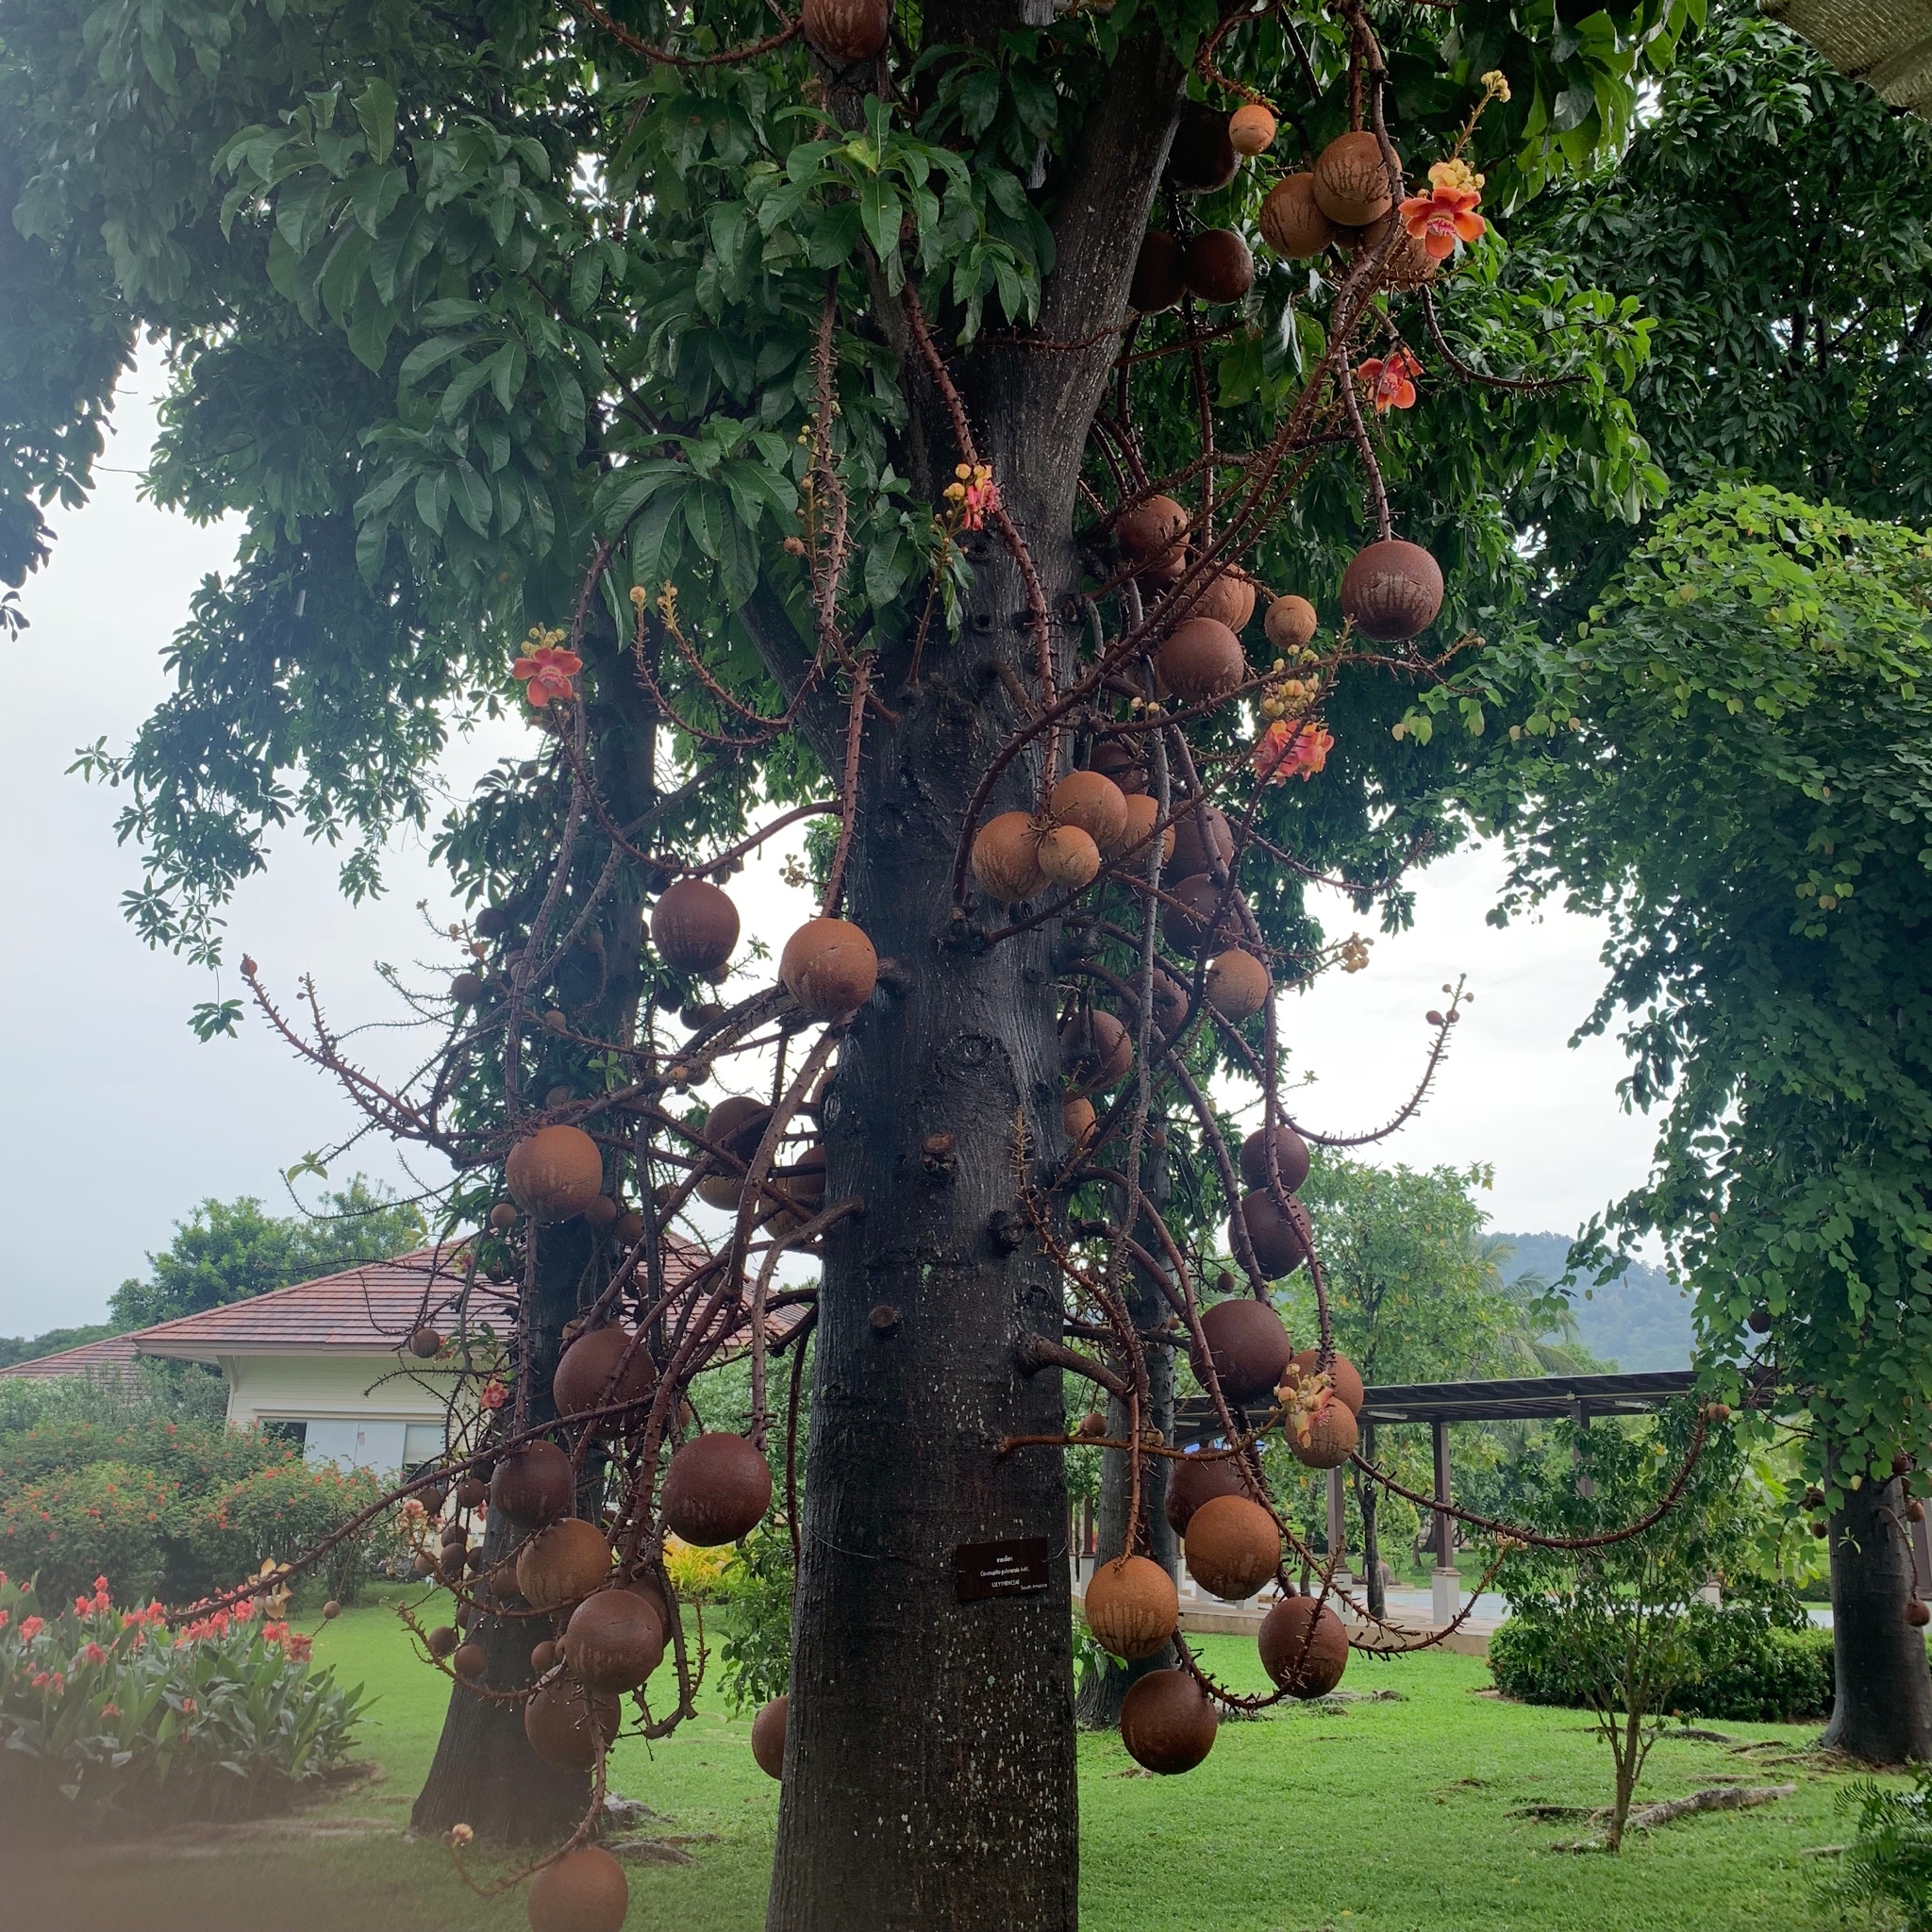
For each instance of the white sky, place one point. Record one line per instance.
(115, 1120)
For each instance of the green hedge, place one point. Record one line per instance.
(1751, 1665)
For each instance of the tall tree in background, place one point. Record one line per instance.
(227, 1251)
(781, 392)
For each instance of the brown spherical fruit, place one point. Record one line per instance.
(1141, 816)
(1193, 1480)
(1167, 1722)
(607, 1365)
(470, 1662)
(1187, 919)
(543, 1655)
(1290, 1157)
(1917, 1613)
(1290, 624)
(563, 1564)
(584, 1891)
(1078, 1118)
(1114, 760)
(1156, 283)
(1915, 1511)
(1095, 1049)
(1324, 1440)
(846, 31)
(1200, 661)
(1198, 834)
(1216, 265)
(533, 1484)
(1304, 1647)
(1095, 802)
(1006, 858)
(425, 1342)
(694, 926)
(1247, 1345)
(767, 1736)
(1170, 1007)
(1232, 1547)
(1251, 129)
(503, 1217)
(1351, 184)
(1202, 156)
(802, 1182)
(1343, 1377)
(568, 1726)
(442, 1642)
(555, 1172)
(1228, 599)
(331, 1611)
(716, 1490)
(466, 989)
(615, 1640)
(1392, 591)
(1069, 858)
(1237, 986)
(1149, 535)
(1132, 1608)
(829, 967)
(1274, 1238)
(1292, 223)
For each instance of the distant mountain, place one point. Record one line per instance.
(1640, 1321)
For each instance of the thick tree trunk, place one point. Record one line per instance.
(1099, 1707)
(1882, 1707)
(929, 1754)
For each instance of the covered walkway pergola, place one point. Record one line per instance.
(1525, 1398)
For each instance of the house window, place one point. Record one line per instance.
(423, 1444)
(288, 1431)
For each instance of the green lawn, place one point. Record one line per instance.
(1386, 1817)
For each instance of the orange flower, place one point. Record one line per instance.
(297, 1646)
(1446, 214)
(1284, 750)
(973, 494)
(546, 673)
(493, 1394)
(1390, 381)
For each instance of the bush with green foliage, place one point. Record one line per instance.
(102, 1709)
(756, 1587)
(275, 1512)
(1743, 1661)
(1888, 1865)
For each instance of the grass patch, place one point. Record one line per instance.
(1381, 1817)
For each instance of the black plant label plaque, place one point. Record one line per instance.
(1016, 1567)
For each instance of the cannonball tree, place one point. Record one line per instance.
(1043, 450)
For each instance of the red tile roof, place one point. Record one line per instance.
(109, 1358)
(368, 1310)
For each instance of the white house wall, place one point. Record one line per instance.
(359, 1409)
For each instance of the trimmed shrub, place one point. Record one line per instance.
(106, 1711)
(274, 1514)
(1747, 1663)
(103, 1518)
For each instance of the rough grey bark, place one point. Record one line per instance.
(1882, 1706)
(1368, 1497)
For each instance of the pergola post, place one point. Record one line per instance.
(1337, 1524)
(1445, 1584)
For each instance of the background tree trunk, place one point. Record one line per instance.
(1101, 1691)
(1882, 1706)
(1367, 1500)
(484, 1774)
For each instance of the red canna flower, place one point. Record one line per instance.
(31, 1627)
(93, 1654)
(1390, 381)
(1446, 214)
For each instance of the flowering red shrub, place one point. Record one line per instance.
(104, 1707)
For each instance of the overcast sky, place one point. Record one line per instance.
(115, 1120)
